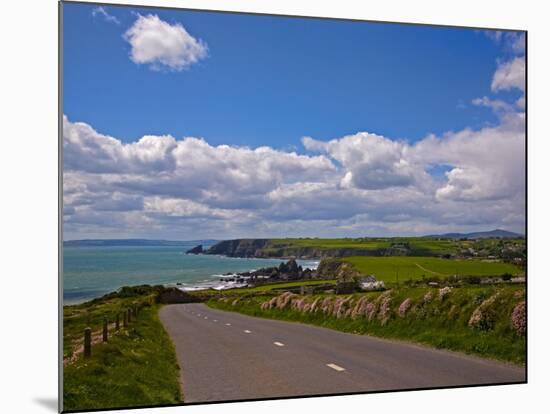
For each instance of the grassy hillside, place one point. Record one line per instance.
(404, 268)
(332, 243)
(414, 246)
(136, 367)
(484, 320)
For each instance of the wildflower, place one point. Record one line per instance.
(519, 294)
(484, 317)
(359, 307)
(519, 318)
(428, 297)
(314, 306)
(284, 299)
(385, 307)
(327, 305)
(404, 307)
(370, 310)
(444, 292)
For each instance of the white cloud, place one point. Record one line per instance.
(511, 40)
(517, 43)
(500, 107)
(163, 45)
(372, 161)
(360, 184)
(509, 75)
(100, 11)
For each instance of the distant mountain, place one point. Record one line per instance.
(134, 242)
(504, 234)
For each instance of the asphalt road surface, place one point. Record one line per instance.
(228, 356)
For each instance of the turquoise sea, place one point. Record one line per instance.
(92, 271)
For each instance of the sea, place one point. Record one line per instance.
(92, 271)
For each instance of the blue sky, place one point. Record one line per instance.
(379, 128)
(272, 80)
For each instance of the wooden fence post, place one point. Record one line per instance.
(88, 342)
(129, 315)
(124, 319)
(117, 322)
(105, 330)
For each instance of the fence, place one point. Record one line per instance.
(128, 315)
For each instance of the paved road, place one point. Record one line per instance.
(229, 356)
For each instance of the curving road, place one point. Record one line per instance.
(228, 356)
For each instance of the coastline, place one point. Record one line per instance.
(185, 280)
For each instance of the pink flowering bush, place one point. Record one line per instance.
(284, 299)
(270, 304)
(326, 305)
(359, 308)
(384, 313)
(370, 310)
(428, 297)
(484, 316)
(444, 292)
(519, 294)
(341, 306)
(315, 305)
(404, 307)
(519, 318)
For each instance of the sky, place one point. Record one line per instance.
(191, 125)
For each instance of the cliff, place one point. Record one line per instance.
(264, 248)
(238, 247)
(195, 250)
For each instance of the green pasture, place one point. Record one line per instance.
(403, 268)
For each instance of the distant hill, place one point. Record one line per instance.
(133, 242)
(504, 234)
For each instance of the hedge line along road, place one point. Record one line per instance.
(227, 356)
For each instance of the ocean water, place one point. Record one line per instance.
(92, 271)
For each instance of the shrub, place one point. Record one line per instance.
(473, 280)
(370, 310)
(315, 305)
(384, 312)
(444, 292)
(421, 313)
(359, 308)
(506, 277)
(453, 312)
(428, 297)
(326, 305)
(284, 299)
(519, 294)
(484, 316)
(519, 318)
(404, 307)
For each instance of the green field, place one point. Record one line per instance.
(404, 268)
(417, 246)
(332, 243)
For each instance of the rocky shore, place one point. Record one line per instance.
(266, 248)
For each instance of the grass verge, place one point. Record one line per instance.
(137, 367)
